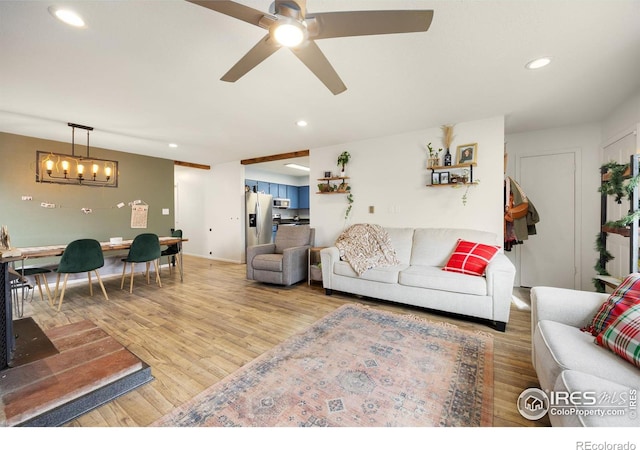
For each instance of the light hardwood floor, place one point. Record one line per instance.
(194, 333)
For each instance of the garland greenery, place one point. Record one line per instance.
(601, 263)
(615, 184)
(618, 186)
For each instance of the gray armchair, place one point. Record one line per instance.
(285, 261)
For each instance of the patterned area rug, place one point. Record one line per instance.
(356, 367)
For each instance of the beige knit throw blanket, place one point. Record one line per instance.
(365, 246)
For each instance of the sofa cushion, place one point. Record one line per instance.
(622, 298)
(433, 246)
(558, 347)
(269, 261)
(387, 274)
(622, 337)
(434, 278)
(470, 258)
(401, 241)
(618, 395)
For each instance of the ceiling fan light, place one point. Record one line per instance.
(289, 34)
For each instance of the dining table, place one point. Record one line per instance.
(44, 251)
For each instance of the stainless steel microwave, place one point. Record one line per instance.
(281, 203)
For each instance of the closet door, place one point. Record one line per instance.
(548, 258)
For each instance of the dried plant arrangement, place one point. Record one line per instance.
(447, 135)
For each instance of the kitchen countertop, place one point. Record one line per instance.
(292, 222)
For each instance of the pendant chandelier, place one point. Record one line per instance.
(76, 169)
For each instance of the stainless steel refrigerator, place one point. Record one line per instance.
(259, 221)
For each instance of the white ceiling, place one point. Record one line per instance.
(146, 73)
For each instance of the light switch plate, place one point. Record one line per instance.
(165, 211)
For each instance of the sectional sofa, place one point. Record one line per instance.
(593, 386)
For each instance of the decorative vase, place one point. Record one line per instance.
(447, 158)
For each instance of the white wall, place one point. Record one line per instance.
(390, 174)
(585, 140)
(190, 211)
(625, 116)
(209, 210)
(225, 212)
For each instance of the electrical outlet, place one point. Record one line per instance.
(27, 198)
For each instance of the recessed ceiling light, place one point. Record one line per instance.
(172, 145)
(298, 166)
(538, 63)
(302, 123)
(67, 16)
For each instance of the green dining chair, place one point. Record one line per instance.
(81, 255)
(173, 250)
(145, 248)
(39, 275)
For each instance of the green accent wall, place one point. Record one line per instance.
(140, 178)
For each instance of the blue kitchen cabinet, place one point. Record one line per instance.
(263, 186)
(303, 197)
(292, 194)
(282, 191)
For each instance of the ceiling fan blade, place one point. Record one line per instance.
(261, 51)
(312, 57)
(363, 23)
(232, 9)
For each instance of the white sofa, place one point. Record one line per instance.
(420, 281)
(568, 360)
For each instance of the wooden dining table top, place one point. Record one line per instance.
(57, 250)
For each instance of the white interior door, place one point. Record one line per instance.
(548, 258)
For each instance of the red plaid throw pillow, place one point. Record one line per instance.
(622, 298)
(470, 258)
(622, 337)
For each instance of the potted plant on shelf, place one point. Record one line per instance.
(343, 159)
(434, 156)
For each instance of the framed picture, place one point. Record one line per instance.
(444, 177)
(467, 154)
(435, 178)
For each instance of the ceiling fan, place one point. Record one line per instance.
(290, 26)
